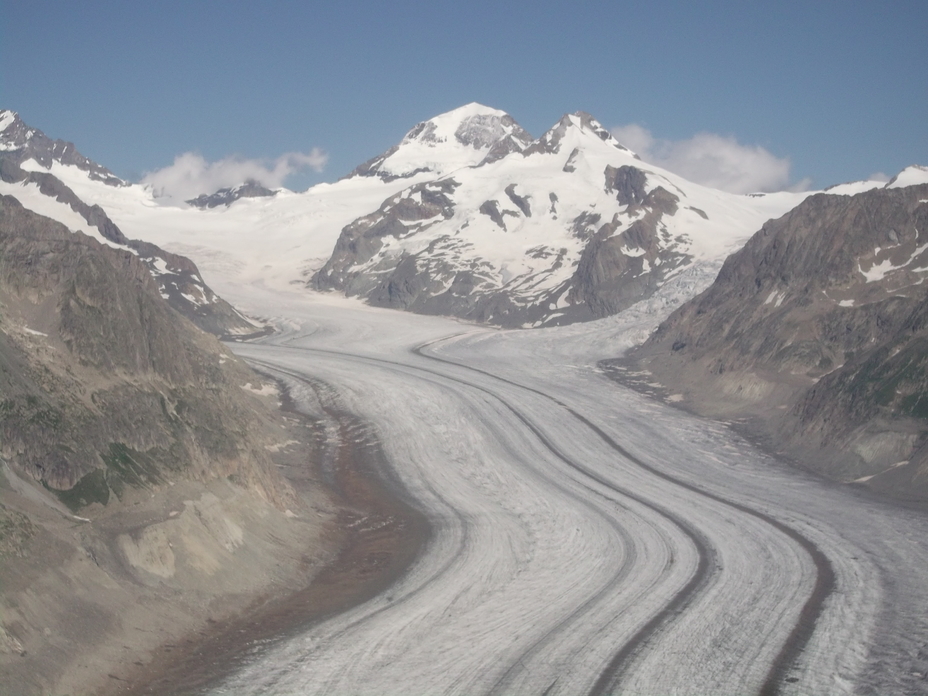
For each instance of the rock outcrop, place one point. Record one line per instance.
(104, 385)
(228, 196)
(818, 330)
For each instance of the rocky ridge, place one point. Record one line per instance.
(178, 277)
(20, 142)
(817, 332)
(228, 196)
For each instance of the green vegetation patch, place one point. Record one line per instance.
(897, 382)
(124, 467)
(915, 405)
(92, 488)
(127, 467)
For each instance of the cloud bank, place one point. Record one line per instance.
(191, 175)
(712, 160)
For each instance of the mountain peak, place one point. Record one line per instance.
(473, 125)
(21, 142)
(14, 134)
(578, 124)
(8, 119)
(227, 196)
(464, 137)
(910, 176)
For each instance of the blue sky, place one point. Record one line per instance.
(837, 88)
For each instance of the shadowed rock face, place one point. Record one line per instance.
(820, 325)
(178, 277)
(353, 266)
(228, 196)
(53, 187)
(23, 142)
(628, 183)
(104, 385)
(618, 268)
(491, 210)
(522, 203)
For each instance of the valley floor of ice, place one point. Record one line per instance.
(586, 539)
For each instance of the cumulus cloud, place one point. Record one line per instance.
(712, 160)
(191, 175)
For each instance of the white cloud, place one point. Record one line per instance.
(191, 175)
(712, 160)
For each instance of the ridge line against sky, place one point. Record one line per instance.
(793, 95)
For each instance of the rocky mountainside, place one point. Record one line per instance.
(228, 196)
(178, 278)
(104, 385)
(817, 330)
(20, 142)
(138, 497)
(467, 215)
(520, 232)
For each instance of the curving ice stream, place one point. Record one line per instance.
(586, 539)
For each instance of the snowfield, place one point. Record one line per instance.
(586, 539)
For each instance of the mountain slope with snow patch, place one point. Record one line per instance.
(38, 189)
(572, 226)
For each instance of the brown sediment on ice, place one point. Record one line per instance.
(168, 587)
(378, 536)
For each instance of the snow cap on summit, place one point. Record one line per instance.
(463, 137)
(473, 124)
(912, 175)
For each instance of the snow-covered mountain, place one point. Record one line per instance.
(465, 137)
(29, 162)
(467, 215)
(19, 142)
(267, 240)
(567, 227)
